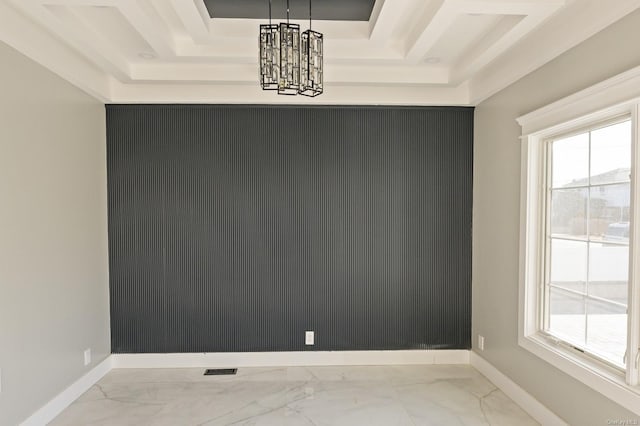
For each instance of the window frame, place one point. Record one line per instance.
(605, 101)
(547, 238)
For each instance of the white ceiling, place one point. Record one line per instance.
(416, 52)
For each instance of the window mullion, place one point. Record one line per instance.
(633, 309)
(587, 289)
(546, 227)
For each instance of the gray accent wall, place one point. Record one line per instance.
(497, 214)
(54, 294)
(237, 228)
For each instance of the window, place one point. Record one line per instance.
(579, 306)
(586, 266)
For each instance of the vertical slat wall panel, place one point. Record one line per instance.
(237, 228)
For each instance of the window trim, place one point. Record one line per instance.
(614, 97)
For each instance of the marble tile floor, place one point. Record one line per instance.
(383, 395)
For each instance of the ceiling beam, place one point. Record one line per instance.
(95, 3)
(384, 19)
(98, 45)
(140, 16)
(510, 30)
(36, 43)
(435, 20)
(246, 51)
(191, 16)
(68, 25)
(508, 7)
(248, 28)
(248, 73)
(376, 94)
(576, 22)
(487, 48)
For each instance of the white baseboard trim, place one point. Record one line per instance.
(280, 359)
(54, 407)
(521, 397)
(289, 359)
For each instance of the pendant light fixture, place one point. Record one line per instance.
(311, 62)
(291, 63)
(289, 82)
(269, 55)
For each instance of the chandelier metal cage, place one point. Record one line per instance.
(290, 62)
(269, 43)
(311, 62)
(289, 82)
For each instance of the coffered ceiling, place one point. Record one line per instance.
(417, 52)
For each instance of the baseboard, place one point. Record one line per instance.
(521, 397)
(54, 407)
(276, 359)
(290, 359)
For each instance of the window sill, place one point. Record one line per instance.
(597, 377)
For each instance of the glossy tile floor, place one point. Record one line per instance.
(386, 395)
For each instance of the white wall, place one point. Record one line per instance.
(496, 218)
(54, 296)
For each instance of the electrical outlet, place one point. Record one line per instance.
(480, 342)
(308, 337)
(87, 356)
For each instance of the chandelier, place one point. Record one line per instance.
(290, 62)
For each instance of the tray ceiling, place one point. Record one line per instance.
(424, 52)
(327, 10)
